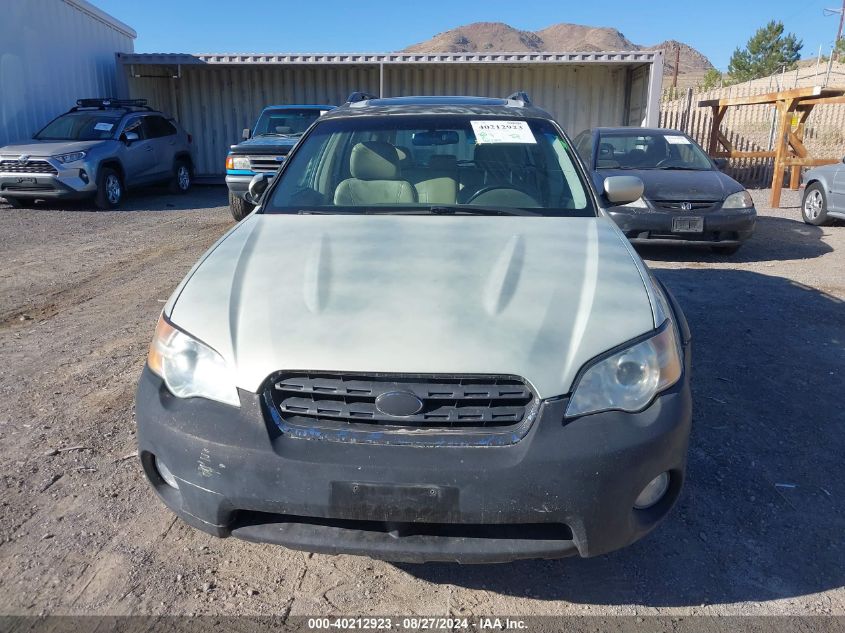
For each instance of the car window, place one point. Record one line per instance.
(629, 150)
(136, 125)
(584, 146)
(157, 126)
(406, 162)
(286, 122)
(81, 126)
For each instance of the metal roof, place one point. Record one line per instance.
(102, 16)
(236, 59)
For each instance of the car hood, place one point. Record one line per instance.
(47, 148)
(677, 184)
(533, 297)
(265, 145)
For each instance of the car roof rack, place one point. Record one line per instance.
(360, 96)
(519, 95)
(111, 103)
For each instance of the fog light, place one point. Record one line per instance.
(653, 492)
(165, 473)
(83, 176)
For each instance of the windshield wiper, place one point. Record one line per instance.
(472, 210)
(682, 168)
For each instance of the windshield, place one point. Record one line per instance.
(287, 122)
(432, 164)
(81, 126)
(650, 151)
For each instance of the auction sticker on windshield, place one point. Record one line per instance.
(675, 139)
(104, 127)
(502, 132)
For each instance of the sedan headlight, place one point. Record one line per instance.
(190, 368)
(629, 380)
(739, 200)
(639, 203)
(70, 157)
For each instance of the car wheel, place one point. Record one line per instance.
(109, 189)
(181, 181)
(726, 250)
(814, 205)
(20, 203)
(240, 208)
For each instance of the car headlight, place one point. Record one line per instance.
(639, 203)
(739, 200)
(237, 162)
(629, 380)
(190, 368)
(70, 157)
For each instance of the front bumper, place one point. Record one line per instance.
(238, 184)
(722, 227)
(566, 487)
(67, 184)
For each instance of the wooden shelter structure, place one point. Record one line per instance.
(789, 151)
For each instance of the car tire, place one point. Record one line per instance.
(181, 181)
(20, 203)
(726, 250)
(814, 205)
(240, 208)
(109, 189)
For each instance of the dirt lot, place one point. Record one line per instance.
(758, 530)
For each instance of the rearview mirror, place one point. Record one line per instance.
(246, 133)
(130, 137)
(441, 137)
(257, 187)
(623, 189)
(720, 163)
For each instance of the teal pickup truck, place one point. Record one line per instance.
(264, 148)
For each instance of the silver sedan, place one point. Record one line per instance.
(824, 195)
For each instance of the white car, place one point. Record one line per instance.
(426, 343)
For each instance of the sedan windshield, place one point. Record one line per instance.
(424, 164)
(650, 151)
(81, 126)
(286, 122)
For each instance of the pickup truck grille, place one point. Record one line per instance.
(29, 167)
(265, 164)
(445, 402)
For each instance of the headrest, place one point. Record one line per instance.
(374, 160)
(605, 149)
(444, 162)
(283, 129)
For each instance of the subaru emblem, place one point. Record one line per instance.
(23, 159)
(686, 206)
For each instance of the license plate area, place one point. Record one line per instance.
(688, 224)
(388, 502)
(27, 181)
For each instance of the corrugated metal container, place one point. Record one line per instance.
(215, 96)
(53, 52)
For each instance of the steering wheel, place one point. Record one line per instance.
(480, 192)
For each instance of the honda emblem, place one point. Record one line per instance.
(686, 206)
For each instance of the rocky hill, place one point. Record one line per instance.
(500, 37)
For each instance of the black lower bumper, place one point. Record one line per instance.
(45, 188)
(723, 227)
(566, 487)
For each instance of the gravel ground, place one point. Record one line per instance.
(758, 529)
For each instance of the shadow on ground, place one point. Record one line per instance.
(199, 198)
(774, 239)
(763, 512)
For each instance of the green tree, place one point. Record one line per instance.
(766, 53)
(711, 79)
(839, 49)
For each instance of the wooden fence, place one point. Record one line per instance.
(751, 128)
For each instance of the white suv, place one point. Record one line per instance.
(426, 343)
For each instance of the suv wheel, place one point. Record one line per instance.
(814, 205)
(109, 189)
(240, 208)
(20, 203)
(181, 181)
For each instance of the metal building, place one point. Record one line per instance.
(216, 96)
(53, 52)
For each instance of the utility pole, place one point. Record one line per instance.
(678, 59)
(841, 13)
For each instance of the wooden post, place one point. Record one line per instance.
(784, 107)
(800, 150)
(718, 115)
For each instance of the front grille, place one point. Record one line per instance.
(265, 163)
(677, 205)
(29, 167)
(447, 402)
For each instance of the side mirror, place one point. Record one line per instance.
(129, 137)
(623, 189)
(257, 187)
(720, 163)
(246, 133)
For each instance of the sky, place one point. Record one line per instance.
(714, 27)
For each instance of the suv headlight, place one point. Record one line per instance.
(237, 162)
(190, 368)
(70, 157)
(629, 380)
(739, 200)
